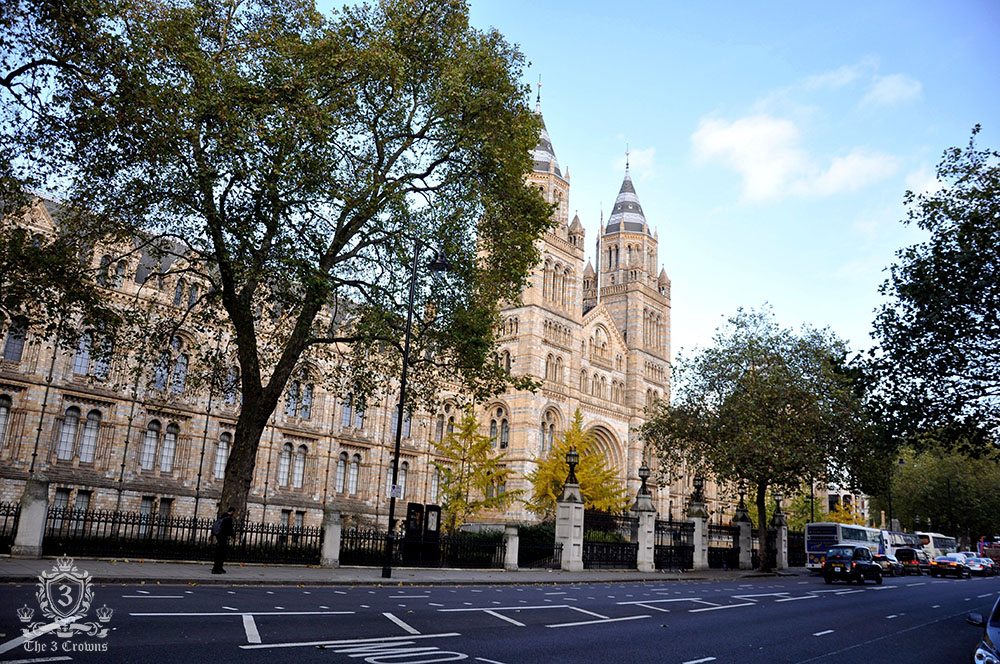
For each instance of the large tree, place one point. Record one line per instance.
(599, 483)
(296, 161)
(938, 335)
(473, 476)
(764, 405)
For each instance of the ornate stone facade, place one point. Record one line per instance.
(599, 339)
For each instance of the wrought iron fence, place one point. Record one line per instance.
(674, 545)
(723, 547)
(467, 550)
(609, 540)
(9, 515)
(796, 548)
(539, 556)
(106, 533)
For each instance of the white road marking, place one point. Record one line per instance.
(280, 608)
(409, 596)
(509, 608)
(401, 640)
(488, 661)
(660, 601)
(598, 622)
(922, 583)
(434, 604)
(891, 617)
(982, 596)
(250, 627)
(339, 592)
(849, 592)
(650, 606)
(323, 606)
(144, 592)
(589, 613)
(44, 629)
(503, 617)
(936, 606)
(153, 596)
(246, 613)
(792, 599)
(828, 631)
(230, 608)
(38, 659)
(717, 608)
(700, 661)
(406, 628)
(562, 593)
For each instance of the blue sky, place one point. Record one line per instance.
(771, 143)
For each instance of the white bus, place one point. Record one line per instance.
(821, 536)
(936, 544)
(894, 540)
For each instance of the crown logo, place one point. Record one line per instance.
(65, 564)
(25, 613)
(104, 613)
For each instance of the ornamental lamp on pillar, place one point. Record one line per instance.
(699, 484)
(778, 497)
(572, 458)
(643, 475)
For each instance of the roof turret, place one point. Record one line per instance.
(575, 227)
(589, 270)
(627, 214)
(544, 155)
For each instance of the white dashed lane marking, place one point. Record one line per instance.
(823, 633)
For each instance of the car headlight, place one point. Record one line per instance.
(985, 655)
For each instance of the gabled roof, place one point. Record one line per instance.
(575, 226)
(589, 270)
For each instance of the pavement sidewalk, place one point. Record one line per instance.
(134, 571)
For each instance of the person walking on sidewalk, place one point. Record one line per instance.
(223, 529)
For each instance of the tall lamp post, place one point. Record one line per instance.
(439, 264)
(892, 470)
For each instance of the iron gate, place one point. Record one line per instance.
(610, 540)
(723, 547)
(674, 545)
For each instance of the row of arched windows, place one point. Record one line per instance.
(172, 368)
(76, 440)
(499, 428)
(291, 467)
(656, 372)
(88, 363)
(652, 396)
(556, 283)
(554, 368)
(159, 447)
(509, 327)
(557, 333)
(653, 329)
(633, 255)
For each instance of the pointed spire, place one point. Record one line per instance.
(545, 156)
(538, 96)
(627, 214)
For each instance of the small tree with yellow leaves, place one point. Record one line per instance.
(846, 514)
(473, 478)
(599, 484)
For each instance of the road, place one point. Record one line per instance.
(772, 620)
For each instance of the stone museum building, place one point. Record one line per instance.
(596, 334)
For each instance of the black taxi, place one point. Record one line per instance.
(851, 563)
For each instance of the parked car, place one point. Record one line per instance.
(987, 650)
(981, 566)
(851, 563)
(914, 561)
(950, 565)
(890, 564)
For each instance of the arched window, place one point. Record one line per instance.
(119, 274)
(346, 408)
(193, 296)
(102, 361)
(88, 441)
(105, 269)
(149, 441)
(432, 494)
(67, 433)
(299, 467)
(180, 369)
(352, 475)
(395, 422)
(506, 361)
(5, 406)
(451, 425)
(292, 399)
(168, 448)
(388, 477)
(160, 374)
(13, 346)
(494, 429)
(222, 454)
(549, 368)
(305, 407)
(339, 478)
(81, 360)
(359, 416)
(583, 381)
(504, 434)
(559, 370)
(439, 430)
(179, 293)
(284, 464)
(231, 386)
(548, 432)
(404, 469)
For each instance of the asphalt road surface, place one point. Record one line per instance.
(769, 620)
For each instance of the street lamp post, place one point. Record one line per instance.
(900, 463)
(439, 264)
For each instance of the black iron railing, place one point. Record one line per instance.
(9, 514)
(467, 550)
(609, 540)
(112, 534)
(796, 548)
(674, 545)
(539, 557)
(723, 547)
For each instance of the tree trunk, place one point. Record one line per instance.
(762, 525)
(243, 459)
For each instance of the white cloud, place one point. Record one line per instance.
(892, 89)
(766, 152)
(922, 182)
(763, 149)
(837, 78)
(848, 173)
(642, 163)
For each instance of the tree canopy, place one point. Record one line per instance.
(297, 160)
(938, 335)
(763, 405)
(473, 476)
(599, 484)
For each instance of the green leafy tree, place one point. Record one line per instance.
(939, 333)
(764, 405)
(599, 484)
(473, 477)
(292, 162)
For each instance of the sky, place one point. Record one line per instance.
(770, 143)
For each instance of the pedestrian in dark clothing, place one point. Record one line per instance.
(223, 529)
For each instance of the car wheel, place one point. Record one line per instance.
(892, 572)
(828, 580)
(878, 578)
